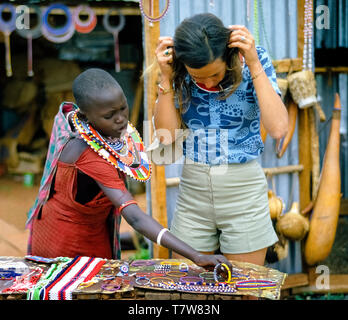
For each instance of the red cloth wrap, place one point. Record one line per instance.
(68, 228)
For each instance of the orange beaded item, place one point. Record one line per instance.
(126, 204)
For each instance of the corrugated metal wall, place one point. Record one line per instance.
(277, 32)
(335, 36)
(337, 33)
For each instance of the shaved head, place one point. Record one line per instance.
(92, 84)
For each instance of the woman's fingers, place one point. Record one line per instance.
(164, 42)
(238, 27)
(241, 37)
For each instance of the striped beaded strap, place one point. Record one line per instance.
(255, 284)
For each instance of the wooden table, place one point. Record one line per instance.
(94, 290)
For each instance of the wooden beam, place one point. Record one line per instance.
(338, 283)
(99, 11)
(173, 182)
(331, 69)
(300, 27)
(295, 280)
(286, 65)
(305, 158)
(158, 185)
(283, 169)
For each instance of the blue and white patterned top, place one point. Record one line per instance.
(228, 130)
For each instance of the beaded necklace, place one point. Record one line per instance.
(308, 32)
(25, 282)
(126, 154)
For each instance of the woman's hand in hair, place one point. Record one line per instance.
(164, 55)
(242, 39)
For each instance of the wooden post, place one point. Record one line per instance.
(158, 184)
(304, 134)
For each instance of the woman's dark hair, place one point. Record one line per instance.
(198, 41)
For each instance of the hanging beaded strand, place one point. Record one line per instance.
(150, 16)
(308, 32)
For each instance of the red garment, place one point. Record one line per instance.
(68, 228)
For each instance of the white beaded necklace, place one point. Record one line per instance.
(308, 32)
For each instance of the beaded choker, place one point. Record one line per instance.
(126, 154)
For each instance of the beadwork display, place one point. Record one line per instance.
(79, 270)
(64, 278)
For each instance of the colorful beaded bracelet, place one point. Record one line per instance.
(138, 279)
(177, 274)
(183, 267)
(149, 274)
(171, 263)
(126, 204)
(190, 280)
(207, 289)
(140, 263)
(110, 287)
(162, 280)
(207, 275)
(255, 284)
(222, 265)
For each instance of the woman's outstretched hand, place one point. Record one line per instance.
(164, 55)
(210, 261)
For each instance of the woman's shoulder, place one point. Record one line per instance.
(73, 150)
(262, 53)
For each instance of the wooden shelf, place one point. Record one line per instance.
(127, 11)
(285, 65)
(331, 69)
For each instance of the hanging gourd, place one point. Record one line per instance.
(275, 205)
(263, 132)
(292, 116)
(323, 223)
(293, 225)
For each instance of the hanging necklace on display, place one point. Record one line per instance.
(248, 10)
(7, 27)
(30, 34)
(264, 31)
(58, 34)
(148, 11)
(84, 26)
(126, 154)
(256, 23)
(115, 31)
(308, 32)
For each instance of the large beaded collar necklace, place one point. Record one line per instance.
(126, 153)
